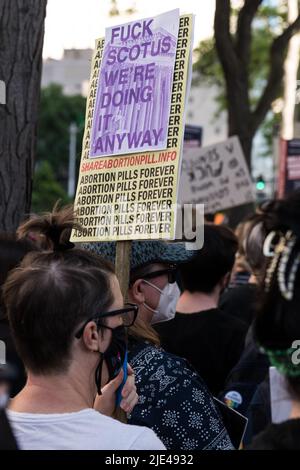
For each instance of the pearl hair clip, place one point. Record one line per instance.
(276, 255)
(287, 288)
(267, 252)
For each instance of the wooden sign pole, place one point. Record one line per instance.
(123, 254)
(122, 265)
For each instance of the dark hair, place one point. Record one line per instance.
(255, 234)
(141, 330)
(52, 293)
(277, 323)
(12, 251)
(210, 264)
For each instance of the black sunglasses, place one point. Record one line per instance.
(171, 272)
(128, 312)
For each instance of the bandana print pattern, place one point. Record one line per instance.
(174, 402)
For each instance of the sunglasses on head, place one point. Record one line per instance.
(128, 313)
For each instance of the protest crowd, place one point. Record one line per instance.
(201, 329)
(117, 332)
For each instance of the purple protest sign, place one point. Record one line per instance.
(135, 83)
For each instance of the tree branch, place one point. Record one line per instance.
(243, 34)
(224, 43)
(277, 58)
(235, 75)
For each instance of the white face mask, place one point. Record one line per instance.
(166, 308)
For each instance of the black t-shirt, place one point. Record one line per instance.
(282, 436)
(240, 302)
(210, 340)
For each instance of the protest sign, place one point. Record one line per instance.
(135, 85)
(281, 400)
(192, 137)
(289, 167)
(132, 196)
(216, 176)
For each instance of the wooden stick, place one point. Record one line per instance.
(123, 254)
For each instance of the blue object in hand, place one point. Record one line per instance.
(119, 391)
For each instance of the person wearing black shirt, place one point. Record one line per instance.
(240, 302)
(209, 339)
(282, 436)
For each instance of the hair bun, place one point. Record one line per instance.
(53, 227)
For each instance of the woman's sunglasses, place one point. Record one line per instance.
(170, 272)
(128, 313)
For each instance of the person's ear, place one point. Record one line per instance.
(137, 292)
(92, 337)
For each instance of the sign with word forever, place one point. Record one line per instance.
(131, 153)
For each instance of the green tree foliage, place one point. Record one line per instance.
(46, 189)
(248, 42)
(57, 112)
(269, 22)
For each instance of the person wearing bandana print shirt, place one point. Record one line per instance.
(173, 399)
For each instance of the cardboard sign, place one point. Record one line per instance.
(289, 167)
(281, 400)
(135, 84)
(216, 176)
(132, 197)
(192, 137)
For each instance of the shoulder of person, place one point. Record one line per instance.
(164, 326)
(146, 353)
(137, 437)
(285, 435)
(163, 368)
(146, 440)
(233, 321)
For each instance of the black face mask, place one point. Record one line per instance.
(114, 356)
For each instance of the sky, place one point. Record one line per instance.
(77, 23)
